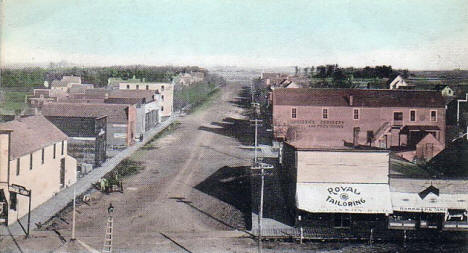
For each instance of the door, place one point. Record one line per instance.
(62, 172)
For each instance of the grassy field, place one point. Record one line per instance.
(14, 100)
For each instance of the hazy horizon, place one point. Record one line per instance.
(416, 35)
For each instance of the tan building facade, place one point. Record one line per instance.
(166, 91)
(34, 159)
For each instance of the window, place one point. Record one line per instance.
(162, 108)
(397, 116)
(162, 87)
(162, 97)
(324, 113)
(355, 113)
(42, 158)
(128, 86)
(293, 113)
(147, 87)
(13, 200)
(433, 115)
(18, 166)
(30, 161)
(55, 147)
(342, 221)
(412, 115)
(137, 87)
(63, 147)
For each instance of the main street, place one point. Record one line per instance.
(191, 196)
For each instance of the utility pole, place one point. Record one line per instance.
(261, 167)
(74, 212)
(256, 121)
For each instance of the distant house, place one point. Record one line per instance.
(121, 119)
(33, 158)
(65, 83)
(445, 90)
(400, 83)
(166, 91)
(41, 96)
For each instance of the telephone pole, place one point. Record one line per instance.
(259, 166)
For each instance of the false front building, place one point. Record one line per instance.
(34, 165)
(335, 187)
(411, 123)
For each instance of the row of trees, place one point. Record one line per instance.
(35, 77)
(334, 71)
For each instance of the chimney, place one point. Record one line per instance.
(351, 100)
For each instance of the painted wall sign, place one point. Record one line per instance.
(317, 123)
(345, 196)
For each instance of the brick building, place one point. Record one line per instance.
(121, 119)
(398, 120)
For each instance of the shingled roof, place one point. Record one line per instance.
(30, 134)
(116, 113)
(360, 98)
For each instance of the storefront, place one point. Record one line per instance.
(429, 209)
(343, 205)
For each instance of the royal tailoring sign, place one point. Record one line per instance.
(343, 198)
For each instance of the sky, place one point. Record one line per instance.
(412, 34)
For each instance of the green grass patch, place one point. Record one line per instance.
(14, 101)
(205, 102)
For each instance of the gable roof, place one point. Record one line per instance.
(30, 134)
(428, 190)
(361, 98)
(116, 113)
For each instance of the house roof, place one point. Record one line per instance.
(361, 98)
(30, 134)
(65, 81)
(116, 113)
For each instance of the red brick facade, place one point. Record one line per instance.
(333, 125)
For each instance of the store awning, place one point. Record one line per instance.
(430, 203)
(343, 198)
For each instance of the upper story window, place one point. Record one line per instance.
(433, 115)
(397, 116)
(137, 87)
(162, 108)
(162, 87)
(43, 154)
(147, 87)
(412, 115)
(324, 113)
(293, 113)
(55, 148)
(18, 166)
(162, 97)
(128, 86)
(355, 113)
(63, 147)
